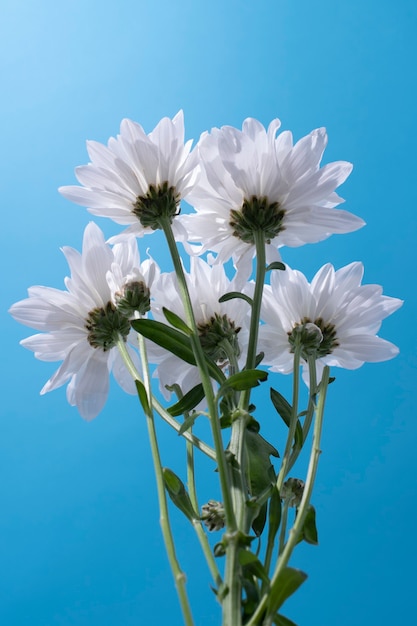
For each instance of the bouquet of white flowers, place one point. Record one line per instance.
(210, 337)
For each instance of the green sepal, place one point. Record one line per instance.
(176, 321)
(175, 342)
(281, 620)
(143, 396)
(251, 564)
(236, 294)
(276, 265)
(287, 583)
(178, 494)
(284, 410)
(188, 401)
(309, 529)
(243, 381)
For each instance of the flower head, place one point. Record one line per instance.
(81, 325)
(334, 318)
(137, 178)
(254, 180)
(223, 326)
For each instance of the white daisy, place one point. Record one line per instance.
(336, 315)
(137, 177)
(216, 321)
(255, 180)
(80, 326)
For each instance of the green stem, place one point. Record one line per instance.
(178, 574)
(202, 366)
(305, 500)
(231, 601)
(198, 443)
(310, 409)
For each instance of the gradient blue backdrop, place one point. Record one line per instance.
(80, 543)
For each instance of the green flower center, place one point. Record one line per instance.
(317, 337)
(257, 214)
(135, 298)
(215, 333)
(159, 201)
(105, 325)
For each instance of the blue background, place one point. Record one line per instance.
(80, 543)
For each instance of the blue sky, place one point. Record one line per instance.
(80, 543)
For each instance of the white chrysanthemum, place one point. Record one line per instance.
(137, 174)
(336, 313)
(254, 179)
(79, 325)
(216, 321)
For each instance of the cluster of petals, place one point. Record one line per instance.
(337, 298)
(96, 275)
(238, 165)
(123, 170)
(206, 284)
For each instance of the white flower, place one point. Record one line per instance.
(216, 321)
(336, 314)
(79, 326)
(134, 171)
(254, 179)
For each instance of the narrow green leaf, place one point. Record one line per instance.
(282, 406)
(280, 620)
(236, 294)
(176, 321)
(188, 423)
(243, 380)
(259, 358)
(284, 410)
(175, 342)
(274, 515)
(276, 265)
(284, 586)
(252, 564)
(143, 396)
(309, 530)
(178, 494)
(188, 401)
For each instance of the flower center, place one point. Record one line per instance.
(134, 298)
(257, 214)
(105, 325)
(316, 337)
(159, 201)
(215, 333)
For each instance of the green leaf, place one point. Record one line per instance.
(274, 515)
(236, 294)
(188, 401)
(284, 586)
(252, 565)
(280, 620)
(309, 530)
(284, 410)
(243, 380)
(260, 472)
(176, 321)
(259, 358)
(178, 494)
(276, 265)
(143, 396)
(188, 423)
(175, 342)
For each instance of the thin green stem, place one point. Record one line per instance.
(304, 504)
(205, 379)
(178, 574)
(198, 443)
